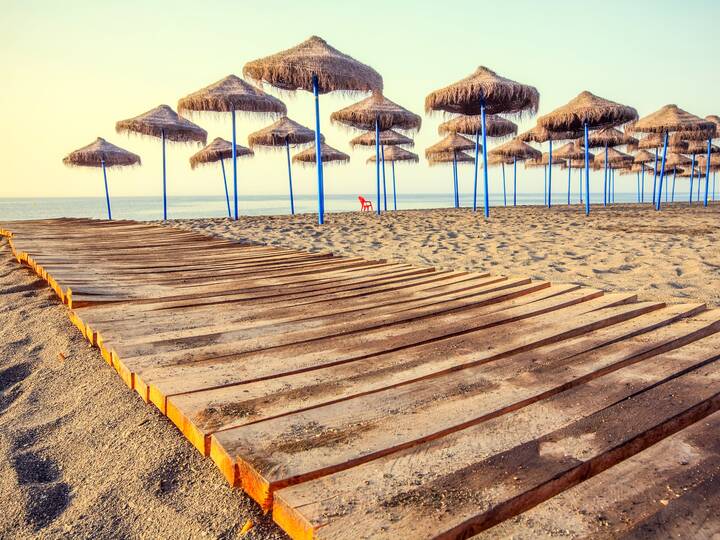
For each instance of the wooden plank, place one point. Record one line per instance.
(669, 490)
(373, 412)
(472, 480)
(201, 412)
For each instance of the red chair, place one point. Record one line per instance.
(365, 205)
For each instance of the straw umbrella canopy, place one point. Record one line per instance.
(283, 132)
(543, 161)
(583, 113)
(231, 94)
(510, 153)
(164, 123)
(452, 144)
(677, 160)
(395, 153)
(447, 157)
(377, 112)
(495, 126)
(328, 155)
(316, 67)
(614, 158)
(699, 147)
(101, 153)
(672, 118)
(219, 150)
(392, 154)
(714, 162)
(481, 93)
(609, 137)
(388, 137)
(655, 141)
(643, 157)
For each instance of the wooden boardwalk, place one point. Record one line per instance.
(366, 399)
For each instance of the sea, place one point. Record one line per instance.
(187, 207)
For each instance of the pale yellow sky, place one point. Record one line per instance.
(72, 69)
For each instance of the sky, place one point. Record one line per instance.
(71, 69)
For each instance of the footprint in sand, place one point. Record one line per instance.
(46, 497)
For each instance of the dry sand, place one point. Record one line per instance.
(82, 456)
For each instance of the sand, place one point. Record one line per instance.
(672, 255)
(81, 455)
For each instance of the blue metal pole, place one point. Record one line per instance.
(455, 180)
(662, 172)
(569, 181)
(642, 183)
(655, 174)
(378, 209)
(477, 153)
(234, 160)
(392, 167)
(549, 188)
(673, 186)
(612, 174)
(485, 163)
(292, 198)
(692, 174)
(318, 152)
(107, 191)
(384, 184)
(162, 136)
(227, 195)
(699, 186)
(544, 185)
(707, 172)
(637, 185)
(514, 181)
(714, 178)
(605, 183)
(580, 181)
(504, 192)
(587, 172)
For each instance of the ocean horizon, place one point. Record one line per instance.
(148, 208)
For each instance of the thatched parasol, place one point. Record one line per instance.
(484, 92)
(329, 154)
(541, 135)
(655, 141)
(543, 161)
(495, 126)
(643, 156)
(587, 109)
(510, 153)
(451, 142)
(101, 153)
(229, 95)
(571, 150)
(319, 68)
(284, 132)
(609, 137)
(393, 154)
(164, 123)
(388, 137)
(515, 150)
(583, 113)
(700, 147)
(672, 118)
(377, 112)
(614, 158)
(220, 150)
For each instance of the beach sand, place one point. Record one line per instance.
(672, 255)
(81, 455)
